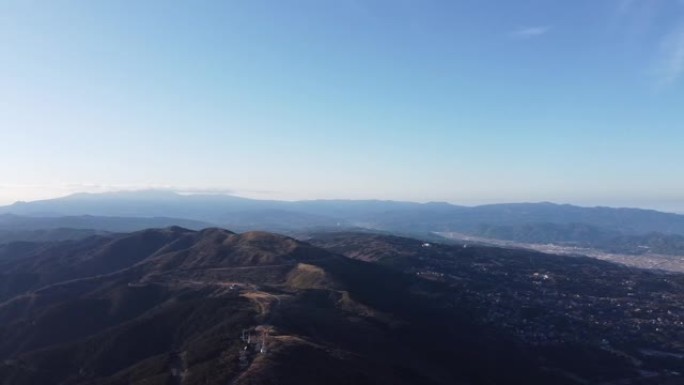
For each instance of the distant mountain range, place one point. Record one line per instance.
(175, 306)
(112, 224)
(15, 228)
(628, 230)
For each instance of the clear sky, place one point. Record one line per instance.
(466, 101)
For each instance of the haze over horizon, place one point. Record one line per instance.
(152, 193)
(462, 102)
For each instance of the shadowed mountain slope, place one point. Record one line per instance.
(175, 306)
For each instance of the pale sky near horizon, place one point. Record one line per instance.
(465, 101)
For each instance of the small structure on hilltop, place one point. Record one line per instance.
(262, 342)
(246, 336)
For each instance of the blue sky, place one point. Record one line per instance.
(469, 101)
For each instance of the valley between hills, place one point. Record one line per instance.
(646, 260)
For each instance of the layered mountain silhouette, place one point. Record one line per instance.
(178, 306)
(17, 223)
(630, 231)
(16, 228)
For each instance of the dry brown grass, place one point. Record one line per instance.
(306, 276)
(263, 301)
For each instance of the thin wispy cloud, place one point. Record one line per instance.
(636, 19)
(530, 32)
(645, 25)
(671, 63)
(10, 193)
(624, 6)
(360, 9)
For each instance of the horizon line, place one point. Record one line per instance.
(235, 194)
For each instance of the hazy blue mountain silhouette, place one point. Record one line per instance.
(406, 217)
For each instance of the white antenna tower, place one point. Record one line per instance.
(263, 342)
